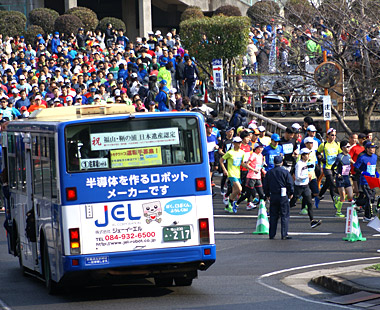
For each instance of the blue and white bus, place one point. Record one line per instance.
(102, 191)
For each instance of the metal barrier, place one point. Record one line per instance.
(270, 126)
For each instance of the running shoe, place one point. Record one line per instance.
(222, 192)
(251, 206)
(303, 211)
(367, 219)
(255, 201)
(228, 209)
(235, 206)
(225, 199)
(339, 214)
(315, 223)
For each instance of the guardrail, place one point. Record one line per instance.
(270, 126)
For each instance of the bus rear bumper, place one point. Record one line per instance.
(142, 263)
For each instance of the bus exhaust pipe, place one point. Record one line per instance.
(202, 266)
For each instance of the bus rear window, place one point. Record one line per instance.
(132, 143)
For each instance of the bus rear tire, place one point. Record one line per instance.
(163, 282)
(52, 286)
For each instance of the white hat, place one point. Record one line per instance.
(150, 33)
(48, 75)
(296, 126)
(330, 130)
(61, 79)
(259, 36)
(38, 97)
(34, 85)
(305, 151)
(117, 92)
(251, 34)
(43, 78)
(173, 90)
(261, 128)
(308, 140)
(134, 75)
(21, 77)
(69, 98)
(311, 128)
(15, 91)
(169, 34)
(237, 140)
(252, 126)
(13, 82)
(158, 32)
(57, 69)
(97, 97)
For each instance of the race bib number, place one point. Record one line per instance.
(346, 169)
(331, 159)
(271, 159)
(258, 166)
(237, 161)
(288, 148)
(371, 169)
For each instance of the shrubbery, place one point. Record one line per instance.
(31, 33)
(228, 10)
(12, 23)
(43, 17)
(263, 11)
(67, 24)
(192, 12)
(86, 15)
(116, 23)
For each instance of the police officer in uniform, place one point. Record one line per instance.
(279, 187)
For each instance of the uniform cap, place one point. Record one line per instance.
(261, 128)
(237, 140)
(277, 160)
(311, 128)
(308, 140)
(305, 151)
(275, 137)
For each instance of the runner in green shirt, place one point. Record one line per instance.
(234, 159)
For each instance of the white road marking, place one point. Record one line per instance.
(376, 235)
(267, 275)
(308, 234)
(229, 232)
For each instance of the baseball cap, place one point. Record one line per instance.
(134, 75)
(69, 98)
(97, 97)
(308, 140)
(117, 92)
(21, 77)
(55, 100)
(258, 144)
(209, 125)
(229, 129)
(237, 140)
(277, 160)
(311, 128)
(252, 126)
(305, 150)
(256, 132)
(23, 108)
(38, 97)
(362, 136)
(330, 130)
(173, 90)
(275, 137)
(92, 89)
(163, 82)
(261, 128)
(344, 143)
(369, 144)
(120, 81)
(296, 126)
(158, 32)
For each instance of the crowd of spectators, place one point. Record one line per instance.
(297, 47)
(152, 74)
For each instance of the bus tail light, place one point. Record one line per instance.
(204, 232)
(74, 241)
(200, 184)
(71, 193)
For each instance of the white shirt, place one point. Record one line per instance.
(301, 173)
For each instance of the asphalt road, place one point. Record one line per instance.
(248, 274)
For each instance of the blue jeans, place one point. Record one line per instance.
(190, 88)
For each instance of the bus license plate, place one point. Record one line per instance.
(176, 233)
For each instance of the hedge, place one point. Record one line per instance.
(43, 17)
(86, 15)
(67, 24)
(31, 34)
(12, 23)
(192, 12)
(116, 23)
(228, 10)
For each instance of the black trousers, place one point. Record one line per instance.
(329, 183)
(305, 192)
(369, 199)
(279, 207)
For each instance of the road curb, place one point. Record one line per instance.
(341, 285)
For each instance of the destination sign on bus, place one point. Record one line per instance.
(147, 156)
(133, 139)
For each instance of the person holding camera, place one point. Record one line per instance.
(109, 35)
(301, 185)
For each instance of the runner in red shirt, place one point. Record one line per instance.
(354, 153)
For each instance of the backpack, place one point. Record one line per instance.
(167, 103)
